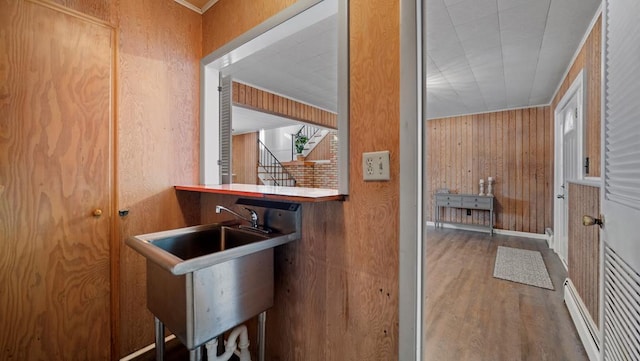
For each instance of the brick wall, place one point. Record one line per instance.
(317, 174)
(302, 171)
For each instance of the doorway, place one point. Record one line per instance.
(55, 183)
(568, 119)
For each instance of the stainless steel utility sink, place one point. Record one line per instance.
(205, 280)
(189, 249)
(207, 241)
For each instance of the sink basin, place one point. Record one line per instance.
(189, 249)
(205, 280)
(206, 241)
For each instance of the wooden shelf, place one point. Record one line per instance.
(297, 194)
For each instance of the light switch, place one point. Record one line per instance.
(375, 166)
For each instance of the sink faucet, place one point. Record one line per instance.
(253, 220)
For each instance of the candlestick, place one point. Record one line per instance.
(481, 187)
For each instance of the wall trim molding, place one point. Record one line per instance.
(494, 111)
(75, 13)
(189, 6)
(584, 325)
(208, 5)
(200, 11)
(504, 232)
(135, 354)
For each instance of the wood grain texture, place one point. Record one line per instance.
(337, 288)
(228, 19)
(245, 158)
(55, 169)
(260, 100)
(472, 316)
(199, 3)
(158, 141)
(584, 246)
(508, 146)
(323, 150)
(99, 9)
(588, 60)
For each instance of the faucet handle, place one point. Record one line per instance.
(254, 217)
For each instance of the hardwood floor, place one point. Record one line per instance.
(472, 316)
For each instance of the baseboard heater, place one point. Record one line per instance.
(586, 327)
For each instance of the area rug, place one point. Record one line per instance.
(522, 266)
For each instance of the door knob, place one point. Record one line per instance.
(590, 221)
(97, 212)
(560, 196)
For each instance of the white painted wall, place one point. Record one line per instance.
(279, 141)
(209, 125)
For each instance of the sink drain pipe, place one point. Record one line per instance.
(231, 346)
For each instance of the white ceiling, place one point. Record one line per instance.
(302, 66)
(487, 55)
(247, 120)
(481, 55)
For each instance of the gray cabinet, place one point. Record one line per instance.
(465, 201)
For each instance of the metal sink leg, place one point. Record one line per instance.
(262, 319)
(159, 339)
(195, 354)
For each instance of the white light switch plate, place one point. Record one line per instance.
(375, 166)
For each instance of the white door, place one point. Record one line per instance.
(621, 180)
(568, 118)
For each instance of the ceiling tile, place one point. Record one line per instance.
(470, 10)
(482, 55)
(484, 27)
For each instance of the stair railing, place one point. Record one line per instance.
(272, 166)
(307, 131)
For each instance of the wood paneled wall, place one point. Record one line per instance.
(263, 101)
(322, 151)
(157, 145)
(584, 246)
(158, 141)
(514, 147)
(588, 60)
(100, 9)
(337, 288)
(55, 169)
(245, 158)
(226, 20)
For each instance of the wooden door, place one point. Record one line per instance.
(55, 171)
(244, 148)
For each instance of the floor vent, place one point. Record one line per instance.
(622, 309)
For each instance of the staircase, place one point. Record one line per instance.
(314, 136)
(315, 139)
(270, 171)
